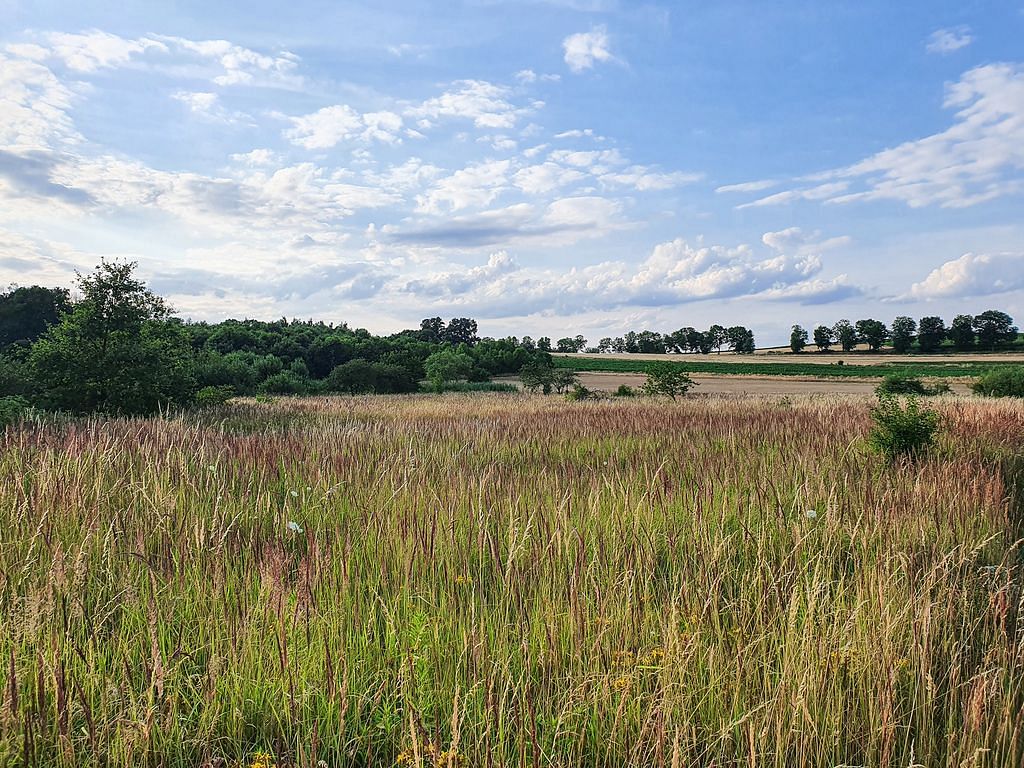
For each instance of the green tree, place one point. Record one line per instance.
(873, 333)
(845, 334)
(903, 330)
(931, 331)
(961, 332)
(116, 351)
(741, 340)
(798, 339)
(26, 313)
(823, 338)
(447, 365)
(993, 328)
(717, 335)
(666, 379)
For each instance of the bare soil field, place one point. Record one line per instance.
(852, 358)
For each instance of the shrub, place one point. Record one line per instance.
(898, 384)
(902, 430)
(209, 397)
(471, 386)
(12, 410)
(624, 390)
(579, 392)
(667, 379)
(1005, 382)
(284, 383)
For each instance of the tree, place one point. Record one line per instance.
(717, 336)
(447, 365)
(873, 333)
(605, 345)
(544, 344)
(564, 379)
(903, 330)
(26, 313)
(961, 332)
(537, 375)
(116, 351)
(432, 330)
(994, 327)
(666, 379)
(823, 338)
(741, 340)
(461, 330)
(931, 332)
(699, 342)
(571, 344)
(845, 334)
(797, 339)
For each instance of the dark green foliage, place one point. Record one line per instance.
(903, 330)
(931, 332)
(845, 334)
(902, 430)
(895, 384)
(797, 339)
(12, 410)
(1004, 382)
(961, 332)
(624, 390)
(363, 377)
(284, 383)
(873, 333)
(741, 340)
(994, 328)
(823, 338)
(209, 397)
(14, 376)
(116, 351)
(26, 313)
(666, 379)
(448, 365)
(579, 392)
(473, 386)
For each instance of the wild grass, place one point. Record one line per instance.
(506, 580)
(850, 367)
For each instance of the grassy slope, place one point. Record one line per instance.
(743, 368)
(519, 581)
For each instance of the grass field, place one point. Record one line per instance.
(502, 580)
(738, 365)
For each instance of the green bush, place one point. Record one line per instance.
(579, 392)
(1005, 382)
(900, 430)
(898, 384)
(12, 410)
(209, 397)
(624, 390)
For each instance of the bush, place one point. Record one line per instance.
(897, 384)
(209, 397)
(284, 383)
(472, 386)
(624, 390)
(12, 410)
(579, 392)
(902, 431)
(1005, 382)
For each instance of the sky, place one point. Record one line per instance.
(548, 167)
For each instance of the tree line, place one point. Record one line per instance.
(119, 349)
(736, 339)
(990, 330)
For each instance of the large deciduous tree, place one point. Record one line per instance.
(116, 351)
(931, 332)
(903, 330)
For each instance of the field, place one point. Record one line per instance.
(505, 580)
(809, 365)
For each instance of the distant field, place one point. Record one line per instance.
(464, 581)
(738, 365)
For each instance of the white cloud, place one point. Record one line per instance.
(526, 76)
(644, 179)
(973, 274)
(93, 50)
(473, 186)
(584, 48)
(543, 178)
(949, 40)
(329, 126)
(196, 101)
(748, 186)
(486, 104)
(978, 158)
(34, 106)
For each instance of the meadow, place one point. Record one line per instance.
(818, 367)
(512, 580)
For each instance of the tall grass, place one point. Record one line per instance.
(502, 580)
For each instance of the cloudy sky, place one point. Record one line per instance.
(548, 167)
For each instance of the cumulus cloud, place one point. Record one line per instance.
(583, 49)
(488, 105)
(973, 274)
(949, 40)
(331, 125)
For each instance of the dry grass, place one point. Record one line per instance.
(510, 581)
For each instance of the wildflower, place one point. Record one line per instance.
(294, 527)
(403, 758)
(262, 760)
(621, 683)
(212, 468)
(810, 514)
(463, 580)
(294, 493)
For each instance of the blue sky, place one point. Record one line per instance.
(569, 166)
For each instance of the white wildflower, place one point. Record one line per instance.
(810, 514)
(294, 527)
